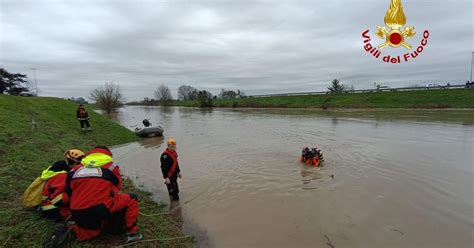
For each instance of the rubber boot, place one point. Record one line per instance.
(61, 236)
(133, 237)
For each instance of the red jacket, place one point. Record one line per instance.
(96, 181)
(82, 114)
(53, 191)
(55, 184)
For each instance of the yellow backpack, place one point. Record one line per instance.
(33, 194)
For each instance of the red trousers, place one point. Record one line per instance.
(121, 202)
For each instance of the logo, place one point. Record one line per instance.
(87, 172)
(395, 36)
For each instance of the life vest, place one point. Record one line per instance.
(311, 157)
(83, 113)
(96, 181)
(97, 159)
(316, 161)
(174, 156)
(47, 174)
(92, 188)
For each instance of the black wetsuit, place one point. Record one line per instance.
(166, 165)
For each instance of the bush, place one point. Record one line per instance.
(108, 97)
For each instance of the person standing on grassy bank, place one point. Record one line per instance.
(83, 118)
(170, 169)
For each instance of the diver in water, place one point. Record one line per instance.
(312, 156)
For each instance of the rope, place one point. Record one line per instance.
(149, 215)
(151, 240)
(6, 241)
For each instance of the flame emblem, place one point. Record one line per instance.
(395, 19)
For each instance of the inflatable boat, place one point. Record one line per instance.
(149, 131)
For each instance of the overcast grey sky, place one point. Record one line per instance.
(256, 46)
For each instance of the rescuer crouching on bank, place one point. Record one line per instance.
(92, 190)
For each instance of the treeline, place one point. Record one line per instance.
(12, 83)
(187, 93)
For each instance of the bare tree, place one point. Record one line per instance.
(228, 94)
(108, 97)
(186, 92)
(163, 95)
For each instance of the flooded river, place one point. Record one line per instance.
(402, 178)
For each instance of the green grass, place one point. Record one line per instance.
(25, 152)
(456, 98)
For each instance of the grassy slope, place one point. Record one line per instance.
(25, 152)
(457, 98)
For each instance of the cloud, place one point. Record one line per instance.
(256, 46)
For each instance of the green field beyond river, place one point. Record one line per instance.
(427, 99)
(402, 178)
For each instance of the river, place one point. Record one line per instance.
(391, 178)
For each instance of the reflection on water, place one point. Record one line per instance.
(398, 178)
(307, 181)
(165, 110)
(310, 174)
(152, 142)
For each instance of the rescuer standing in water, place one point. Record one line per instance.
(170, 169)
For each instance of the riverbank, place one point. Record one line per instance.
(429, 99)
(25, 151)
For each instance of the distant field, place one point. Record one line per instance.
(454, 98)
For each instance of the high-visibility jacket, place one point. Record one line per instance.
(54, 187)
(92, 186)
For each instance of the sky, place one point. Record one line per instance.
(259, 47)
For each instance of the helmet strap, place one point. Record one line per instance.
(70, 162)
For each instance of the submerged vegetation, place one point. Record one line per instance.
(108, 97)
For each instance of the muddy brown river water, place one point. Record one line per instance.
(402, 178)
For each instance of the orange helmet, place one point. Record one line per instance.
(171, 141)
(74, 154)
